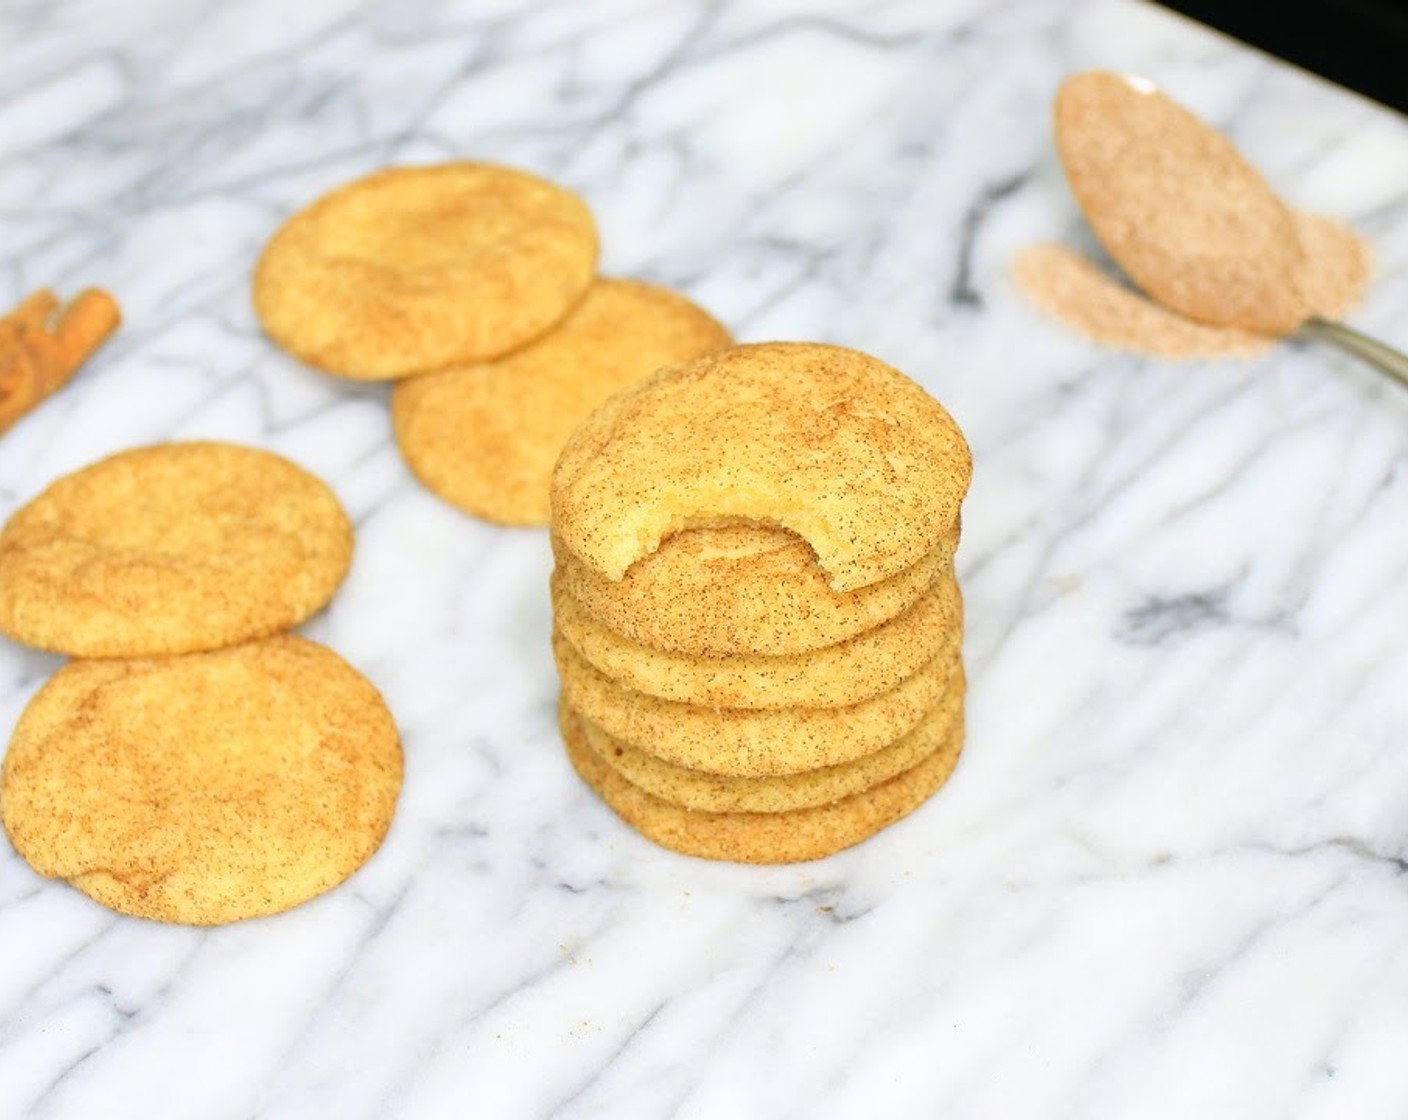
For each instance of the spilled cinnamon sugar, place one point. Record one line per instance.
(1089, 300)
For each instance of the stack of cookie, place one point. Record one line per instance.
(192, 763)
(757, 624)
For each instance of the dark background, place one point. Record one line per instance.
(1361, 44)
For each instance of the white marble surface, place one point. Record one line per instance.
(1171, 875)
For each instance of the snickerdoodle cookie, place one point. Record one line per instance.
(485, 437)
(833, 444)
(413, 269)
(720, 793)
(788, 837)
(171, 548)
(206, 788)
(749, 742)
(739, 588)
(846, 673)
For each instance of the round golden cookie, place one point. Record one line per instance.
(171, 548)
(749, 743)
(717, 793)
(830, 443)
(485, 437)
(831, 677)
(413, 269)
(207, 788)
(790, 837)
(739, 588)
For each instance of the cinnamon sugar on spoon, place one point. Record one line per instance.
(1229, 266)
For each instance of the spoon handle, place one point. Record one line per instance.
(1382, 357)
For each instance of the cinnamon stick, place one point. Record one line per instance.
(42, 345)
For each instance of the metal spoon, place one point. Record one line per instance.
(1371, 351)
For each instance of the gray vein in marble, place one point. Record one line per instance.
(963, 294)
